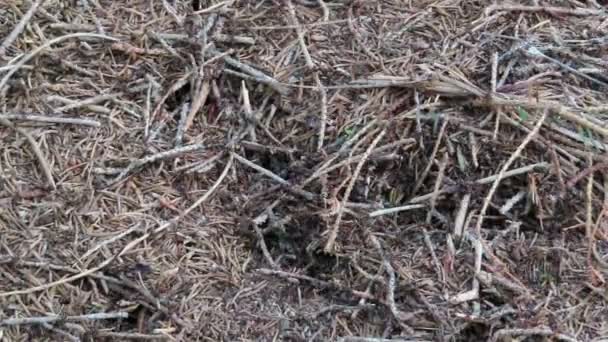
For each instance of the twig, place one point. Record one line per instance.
(310, 65)
(173, 12)
(248, 111)
(199, 100)
(213, 7)
(46, 168)
(429, 215)
(51, 319)
(325, 168)
(261, 170)
(539, 331)
(181, 82)
(156, 157)
(486, 180)
(65, 280)
(201, 167)
(390, 285)
(219, 37)
(334, 232)
(357, 35)
(490, 279)
(431, 158)
(503, 171)
(37, 50)
(473, 293)
(547, 9)
(258, 75)
(315, 282)
(91, 107)
(274, 176)
(61, 332)
(347, 308)
(51, 119)
(504, 210)
(532, 50)
(118, 336)
(325, 10)
(591, 228)
(585, 173)
(109, 241)
(375, 339)
(8, 41)
(175, 220)
(263, 246)
(396, 209)
(90, 101)
(461, 216)
(568, 113)
(181, 126)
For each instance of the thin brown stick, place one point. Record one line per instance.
(503, 170)
(427, 239)
(39, 49)
(310, 64)
(61, 332)
(186, 212)
(44, 164)
(121, 336)
(314, 281)
(263, 246)
(138, 163)
(583, 12)
(274, 176)
(52, 319)
(487, 180)
(425, 173)
(253, 72)
(334, 232)
(8, 41)
(539, 331)
(390, 284)
(461, 216)
(585, 173)
(63, 281)
(556, 108)
(51, 119)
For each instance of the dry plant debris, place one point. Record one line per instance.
(306, 170)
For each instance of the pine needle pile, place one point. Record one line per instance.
(303, 170)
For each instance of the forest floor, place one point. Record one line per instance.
(303, 170)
